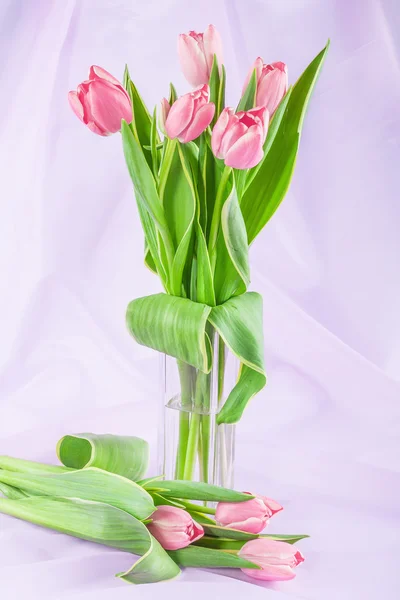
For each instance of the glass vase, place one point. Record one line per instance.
(191, 444)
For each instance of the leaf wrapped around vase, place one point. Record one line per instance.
(204, 191)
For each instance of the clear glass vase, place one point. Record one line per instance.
(191, 444)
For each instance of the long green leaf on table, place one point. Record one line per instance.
(28, 466)
(88, 484)
(177, 327)
(195, 490)
(124, 455)
(270, 183)
(11, 492)
(226, 543)
(100, 523)
(196, 556)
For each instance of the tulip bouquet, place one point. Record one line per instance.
(207, 178)
(99, 494)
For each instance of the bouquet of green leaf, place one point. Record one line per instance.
(99, 495)
(207, 179)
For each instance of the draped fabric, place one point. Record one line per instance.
(322, 437)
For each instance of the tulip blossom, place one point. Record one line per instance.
(190, 115)
(251, 516)
(174, 528)
(163, 114)
(238, 138)
(101, 102)
(196, 54)
(276, 559)
(272, 83)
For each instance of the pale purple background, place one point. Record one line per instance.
(323, 436)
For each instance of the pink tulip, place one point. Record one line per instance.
(196, 54)
(163, 114)
(190, 115)
(251, 516)
(174, 528)
(101, 102)
(272, 83)
(239, 138)
(276, 559)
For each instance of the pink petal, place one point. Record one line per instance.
(234, 131)
(100, 73)
(251, 525)
(192, 60)
(179, 116)
(76, 105)
(201, 121)
(257, 65)
(212, 45)
(198, 532)
(273, 506)
(273, 573)
(219, 130)
(247, 152)
(108, 105)
(93, 127)
(271, 89)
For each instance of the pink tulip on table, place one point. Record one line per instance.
(190, 115)
(174, 528)
(101, 102)
(196, 54)
(251, 516)
(276, 559)
(272, 83)
(238, 138)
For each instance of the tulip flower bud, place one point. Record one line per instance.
(101, 102)
(163, 114)
(190, 115)
(196, 54)
(238, 138)
(272, 83)
(276, 559)
(251, 516)
(174, 528)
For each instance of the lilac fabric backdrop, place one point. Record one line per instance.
(323, 436)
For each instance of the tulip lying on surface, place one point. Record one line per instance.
(272, 83)
(190, 115)
(251, 516)
(276, 559)
(196, 53)
(174, 528)
(101, 102)
(238, 138)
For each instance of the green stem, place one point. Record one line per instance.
(216, 218)
(186, 378)
(200, 509)
(220, 433)
(194, 429)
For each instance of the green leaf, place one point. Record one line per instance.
(142, 121)
(28, 466)
(235, 544)
(102, 524)
(88, 484)
(193, 490)
(195, 556)
(172, 94)
(217, 531)
(248, 100)
(177, 326)
(214, 84)
(154, 144)
(11, 492)
(148, 202)
(205, 285)
(270, 183)
(124, 455)
(221, 96)
(232, 271)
